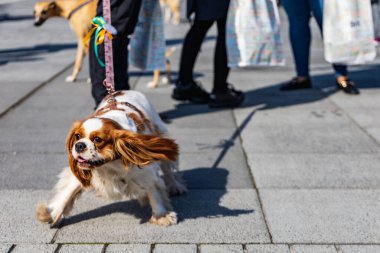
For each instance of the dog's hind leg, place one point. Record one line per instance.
(173, 183)
(78, 62)
(156, 79)
(67, 190)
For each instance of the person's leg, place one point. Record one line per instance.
(341, 72)
(221, 69)
(186, 89)
(190, 49)
(300, 36)
(120, 61)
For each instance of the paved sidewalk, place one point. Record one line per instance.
(291, 172)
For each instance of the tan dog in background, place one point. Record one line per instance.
(79, 13)
(171, 10)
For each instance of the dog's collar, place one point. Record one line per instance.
(78, 8)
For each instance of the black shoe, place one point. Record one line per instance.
(192, 92)
(348, 87)
(296, 84)
(229, 98)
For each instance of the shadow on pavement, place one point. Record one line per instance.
(10, 18)
(270, 97)
(32, 53)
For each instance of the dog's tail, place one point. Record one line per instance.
(169, 52)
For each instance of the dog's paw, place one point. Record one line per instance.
(166, 220)
(165, 80)
(152, 85)
(70, 79)
(43, 213)
(177, 189)
(88, 80)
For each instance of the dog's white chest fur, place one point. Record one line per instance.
(113, 181)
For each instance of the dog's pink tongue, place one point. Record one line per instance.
(81, 160)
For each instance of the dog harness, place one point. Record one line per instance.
(78, 8)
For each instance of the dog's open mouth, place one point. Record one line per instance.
(88, 163)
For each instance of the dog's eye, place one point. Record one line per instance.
(43, 12)
(97, 139)
(77, 136)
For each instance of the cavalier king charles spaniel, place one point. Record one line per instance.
(117, 152)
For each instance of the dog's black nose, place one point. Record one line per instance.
(80, 147)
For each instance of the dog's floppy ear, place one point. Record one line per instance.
(142, 150)
(84, 176)
(52, 5)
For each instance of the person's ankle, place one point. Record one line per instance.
(301, 78)
(341, 78)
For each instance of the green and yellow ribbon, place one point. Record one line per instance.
(100, 32)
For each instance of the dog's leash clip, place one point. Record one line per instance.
(111, 92)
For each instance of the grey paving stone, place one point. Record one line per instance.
(83, 248)
(128, 248)
(304, 131)
(4, 248)
(257, 248)
(313, 249)
(221, 248)
(30, 171)
(175, 248)
(322, 216)
(215, 170)
(208, 216)
(359, 248)
(18, 223)
(367, 99)
(203, 141)
(315, 170)
(35, 248)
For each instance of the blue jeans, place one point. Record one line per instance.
(299, 13)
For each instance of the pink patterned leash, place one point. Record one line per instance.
(109, 81)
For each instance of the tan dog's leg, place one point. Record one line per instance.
(159, 201)
(174, 185)
(78, 62)
(156, 79)
(174, 7)
(67, 190)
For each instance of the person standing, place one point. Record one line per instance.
(299, 13)
(376, 19)
(124, 16)
(223, 94)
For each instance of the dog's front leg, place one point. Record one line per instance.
(78, 62)
(67, 190)
(160, 203)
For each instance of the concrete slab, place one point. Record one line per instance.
(257, 248)
(322, 216)
(30, 171)
(18, 223)
(128, 248)
(313, 249)
(35, 248)
(304, 131)
(4, 248)
(175, 248)
(215, 170)
(221, 248)
(367, 98)
(359, 248)
(208, 216)
(315, 170)
(83, 248)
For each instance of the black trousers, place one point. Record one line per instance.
(124, 15)
(191, 47)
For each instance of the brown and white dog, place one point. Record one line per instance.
(79, 13)
(118, 152)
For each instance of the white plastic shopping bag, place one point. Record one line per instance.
(348, 31)
(254, 34)
(147, 46)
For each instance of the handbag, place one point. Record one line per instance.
(348, 31)
(147, 46)
(253, 34)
